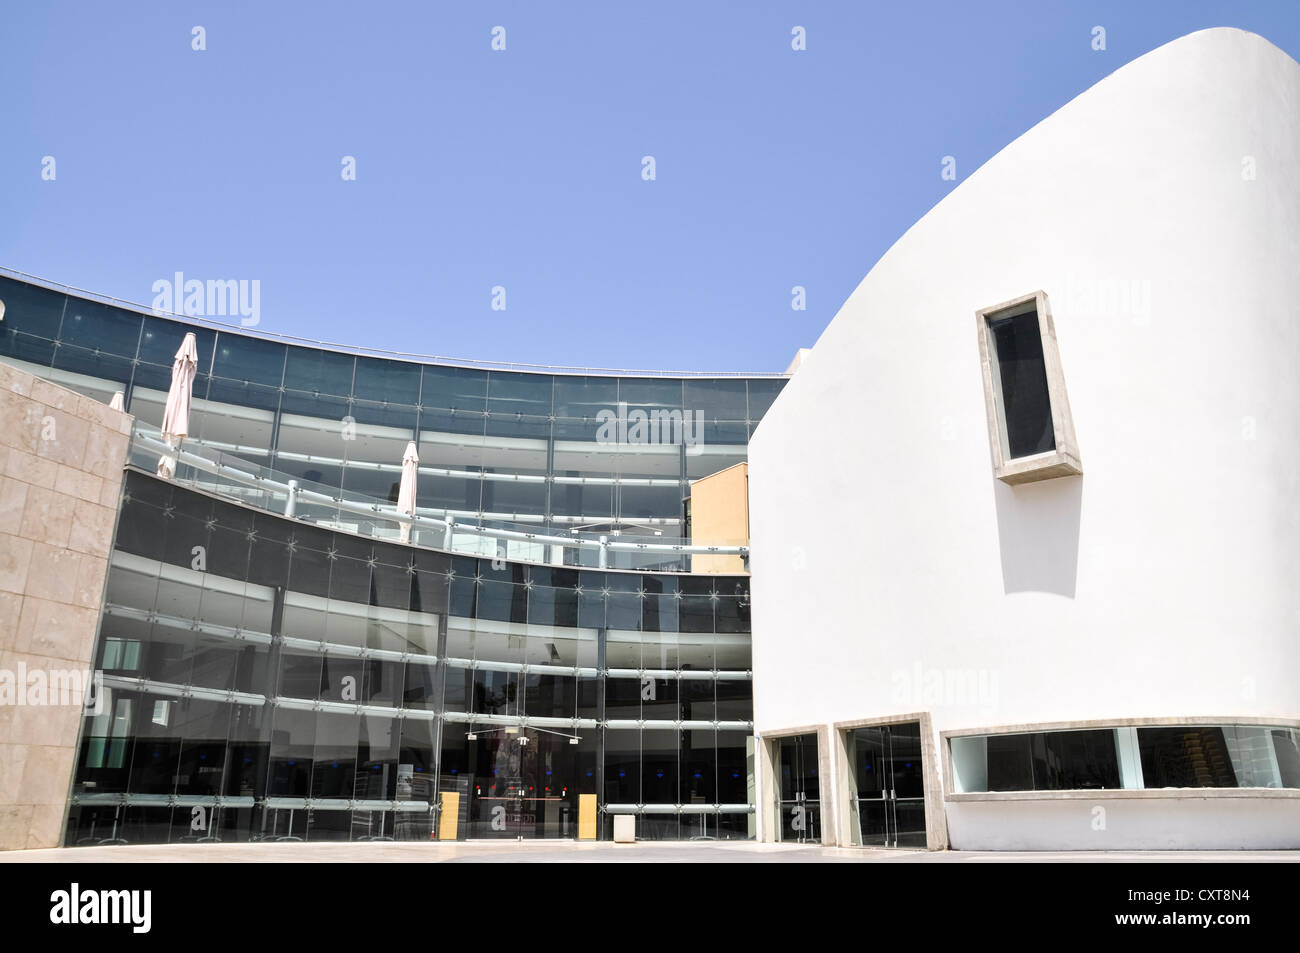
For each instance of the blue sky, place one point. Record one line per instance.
(522, 168)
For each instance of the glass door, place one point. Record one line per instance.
(907, 784)
(890, 785)
(499, 804)
(799, 797)
(524, 784)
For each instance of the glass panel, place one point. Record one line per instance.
(622, 766)
(159, 342)
(453, 388)
(1022, 379)
(1188, 757)
(98, 339)
(659, 766)
(318, 371)
(798, 806)
(699, 767)
(581, 399)
(1075, 760)
(1010, 766)
(1286, 747)
(381, 379)
(251, 360)
(716, 399)
(31, 321)
(762, 393)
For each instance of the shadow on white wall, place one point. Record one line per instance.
(1038, 535)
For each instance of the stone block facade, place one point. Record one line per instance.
(61, 460)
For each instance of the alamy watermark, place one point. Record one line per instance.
(131, 908)
(60, 687)
(216, 297)
(922, 687)
(639, 428)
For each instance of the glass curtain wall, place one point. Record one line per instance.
(266, 679)
(496, 447)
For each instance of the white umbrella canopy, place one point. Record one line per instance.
(406, 492)
(117, 403)
(176, 416)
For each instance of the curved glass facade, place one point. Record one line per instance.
(265, 679)
(271, 676)
(497, 447)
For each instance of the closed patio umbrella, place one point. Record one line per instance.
(117, 402)
(406, 492)
(176, 416)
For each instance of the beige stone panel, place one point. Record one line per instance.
(92, 529)
(105, 451)
(15, 823)
(97, 413)
(54, 396)
(89, 591)
(53, 573)
(15, 381)
(15, 562)
(13, 500)
(21, 419)
(46, 776)
(62, 635)
(47, 517)
(30, 468)
(49, 725)
(46, 825)
(13, 758)
(11, 607)
(78, 484)
(69, 444)
(110, 493)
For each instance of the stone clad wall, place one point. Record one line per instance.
(61, 459)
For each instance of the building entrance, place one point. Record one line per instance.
(887, 786)
(799, 794)
(524, 785)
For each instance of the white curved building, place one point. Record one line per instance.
(1037, 599)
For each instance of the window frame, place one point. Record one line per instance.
(1062, 461)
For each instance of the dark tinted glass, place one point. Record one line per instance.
(1188, 757)
(761, 395)
(379, 379)
(1075, 760)
(1026, 406)
(717, 400)
(98, 340)
(249, 359)
(1010, 767)
(313, 371)
(580, 397)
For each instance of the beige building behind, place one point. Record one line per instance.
(719, 516)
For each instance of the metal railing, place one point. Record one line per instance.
(274, 491)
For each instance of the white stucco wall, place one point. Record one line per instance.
(1164, 582)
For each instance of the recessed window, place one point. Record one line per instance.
(1031, 435)
(1183, 756)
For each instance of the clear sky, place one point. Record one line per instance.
(522, 168)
